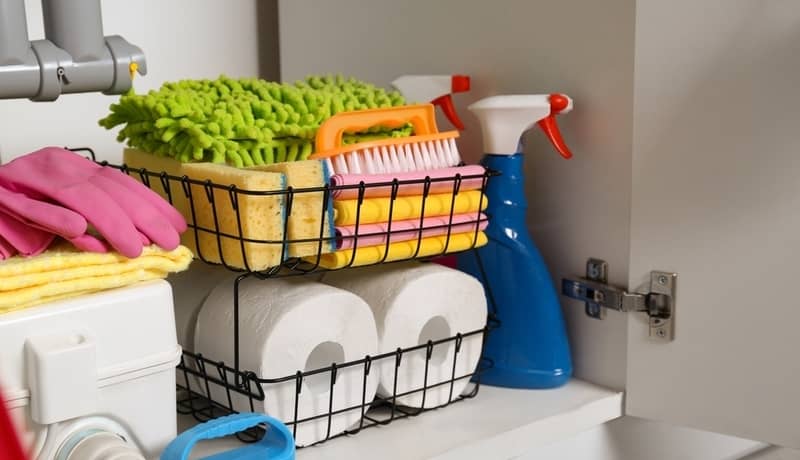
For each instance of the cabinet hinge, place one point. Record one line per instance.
(657, 300)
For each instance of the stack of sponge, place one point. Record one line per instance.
(248, 228)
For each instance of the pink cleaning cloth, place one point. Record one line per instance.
(123, 211)
(439, 186)
(405, 230)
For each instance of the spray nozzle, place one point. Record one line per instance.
(435, 89)
(504, 119)
(558, 104)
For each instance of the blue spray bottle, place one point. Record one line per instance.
(529, 346)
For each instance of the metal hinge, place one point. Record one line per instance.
(657, 300)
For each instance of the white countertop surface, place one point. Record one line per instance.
(499, 423)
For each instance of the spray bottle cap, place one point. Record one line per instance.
(434, 89)
(504, 119)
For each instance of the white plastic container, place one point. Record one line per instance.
(99, 363)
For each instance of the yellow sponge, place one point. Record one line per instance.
(307, 218)
(260, 217)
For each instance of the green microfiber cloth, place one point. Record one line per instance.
(244, 122)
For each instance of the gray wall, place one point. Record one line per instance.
(582, 48)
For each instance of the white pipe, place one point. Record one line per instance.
(103, 446)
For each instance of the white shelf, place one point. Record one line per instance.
(499, 423)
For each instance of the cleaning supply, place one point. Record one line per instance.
(401, 250)
(348, 237)
(347, 186)
(277, 443)
(529, 347)
(126, 214)
(17, 237)
(29, 225)
(248, 237)
(413, 303)
(426, 149)
(438, 90)
(64, 271)
(308, 219)
(286, 325)
(434, 89)
(373, 210)
(243, 122)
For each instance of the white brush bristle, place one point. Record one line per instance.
(340, 165)
(368, 162)
(402, 157)
(426, 155)
(394, 161)
(456, 157)
(386, 162)
(377, 163)
(354, 163)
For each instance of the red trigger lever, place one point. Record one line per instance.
(549, 125)
(459, 84)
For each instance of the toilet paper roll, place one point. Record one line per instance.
(189, 290)
(413, 303)
(286, 325)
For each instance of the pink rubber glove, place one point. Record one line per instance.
(117, 206)
(19, 238)
(28, 226)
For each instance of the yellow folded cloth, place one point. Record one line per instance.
(375, 210)
(400, 250)
(63, 271)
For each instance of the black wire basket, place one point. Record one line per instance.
(198, 376)
(207, 388)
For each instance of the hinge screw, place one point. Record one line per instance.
(661, 333)
(662, 279)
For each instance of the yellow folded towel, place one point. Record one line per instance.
(63, 271)
(375, 210)
(400, 250)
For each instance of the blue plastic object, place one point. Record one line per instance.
(529, 346)
(277, 443)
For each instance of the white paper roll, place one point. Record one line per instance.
(413, 303)
(286, 325)
(189, 290)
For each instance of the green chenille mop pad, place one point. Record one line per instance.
(244, 122)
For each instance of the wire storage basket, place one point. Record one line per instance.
(218, 233)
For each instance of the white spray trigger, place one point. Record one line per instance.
(504, 119)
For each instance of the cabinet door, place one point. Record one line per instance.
(716, 199)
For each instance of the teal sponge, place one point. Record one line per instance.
(243, 122)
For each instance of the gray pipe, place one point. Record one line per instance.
(76, 26)
(14, 44)
(19, 68)
(75, 57)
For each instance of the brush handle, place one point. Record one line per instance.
(329, 135)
